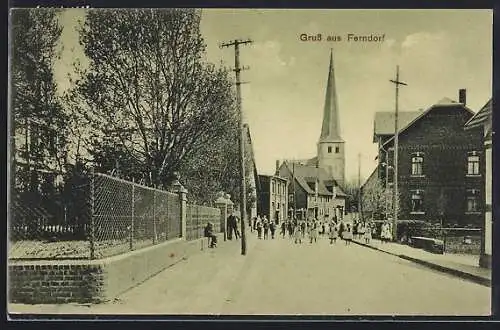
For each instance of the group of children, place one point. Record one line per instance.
(297, 229)
(386, 232)
(263, 226)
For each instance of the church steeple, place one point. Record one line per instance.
(331, 151)
(330, 130)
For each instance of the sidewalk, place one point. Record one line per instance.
(463, 266)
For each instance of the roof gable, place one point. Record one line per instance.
(445, 102)
(306, 177)
(481, 117)
(384, 122)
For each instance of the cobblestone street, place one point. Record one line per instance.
(279, 277)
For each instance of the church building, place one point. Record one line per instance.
(315, 184)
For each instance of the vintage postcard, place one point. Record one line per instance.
(250, 162)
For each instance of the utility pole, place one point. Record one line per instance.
(316, 186)
(396, 141)
(359, 187)
(293, 187)
(237, 69)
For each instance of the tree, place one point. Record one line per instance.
(352, 190)
(148, 92)
(216, 168)
(38, 121)
(378, 200)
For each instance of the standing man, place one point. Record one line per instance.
(230, 226)
(266, 228)
(236, 225)
(272, 227)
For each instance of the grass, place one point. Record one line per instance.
(44, 250)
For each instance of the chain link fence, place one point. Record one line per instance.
(49, 220)
(129, 216)
(93, 215)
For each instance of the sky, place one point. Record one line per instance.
(438, 52)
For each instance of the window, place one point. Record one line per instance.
(274, 187)
(417, 164)
(337, 149)
(329, 150)
(473, 164)
(417, 201)
(472, 201)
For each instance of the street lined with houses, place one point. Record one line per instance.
(146, 183)
(280, 277)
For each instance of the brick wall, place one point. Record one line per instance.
(54, 283)
(85, 281)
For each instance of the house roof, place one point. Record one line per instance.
(306, 175)
(273, 176)
(445, 102)
(481, 117)
(252, 156)
(384, 121)
(372, 177)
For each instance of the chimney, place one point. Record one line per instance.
(277, 167)
(462, 96)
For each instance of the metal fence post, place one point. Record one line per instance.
(132, 220)
(444, 241)
(154, 218)
(92, 212)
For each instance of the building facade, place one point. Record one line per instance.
(483, 120)
(313, 192)
(273, 198)
(440, 165)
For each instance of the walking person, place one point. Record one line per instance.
(230, 226)
(266, 228)
(313, 231)
(259, 228)
(303, 226)
(333, 232)
(389, 232)
(361, 230)
(256, 221)
(236, 229)
(283, 228)
(297, 233)
(290, 228)
(272, 227)
(368, 233)
(347, 234)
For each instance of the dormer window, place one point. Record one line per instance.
(417, 164)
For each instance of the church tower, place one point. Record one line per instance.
(331, 156)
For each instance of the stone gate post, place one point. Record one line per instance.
(179, 189)
(222, 203)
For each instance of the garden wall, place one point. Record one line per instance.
(92, 281)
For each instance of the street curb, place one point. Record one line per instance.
(458, 273)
